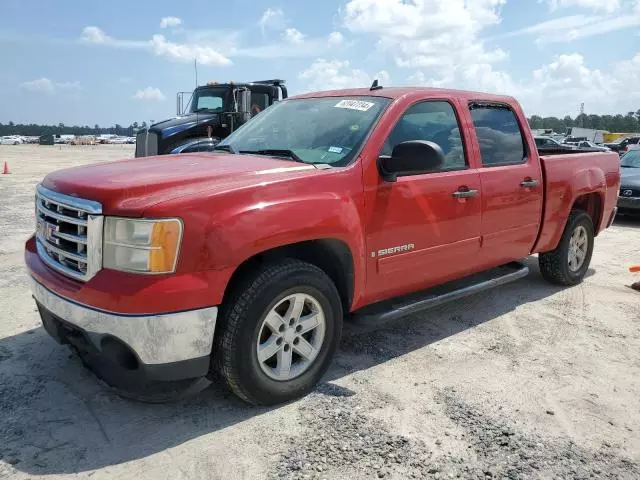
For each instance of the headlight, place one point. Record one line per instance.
(144, 246)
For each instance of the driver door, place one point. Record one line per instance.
(420, 232)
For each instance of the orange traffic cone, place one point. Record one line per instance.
(635, 268)
(5, 170)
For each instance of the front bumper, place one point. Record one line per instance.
(629, 203)
(163, 346)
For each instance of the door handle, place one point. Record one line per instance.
(465, 193)
(529, 183)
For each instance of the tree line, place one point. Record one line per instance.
(613, 123)
(34, 130)
(629, 123)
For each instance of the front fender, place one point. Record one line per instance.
(223, 229)
(257, 228)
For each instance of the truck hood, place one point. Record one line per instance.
(174, 125)
(630, 177)
(128, 187)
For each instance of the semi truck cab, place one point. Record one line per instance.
(210, 113)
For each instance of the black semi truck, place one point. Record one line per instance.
(211, 113)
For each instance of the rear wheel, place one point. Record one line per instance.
(279, 333)
(569, 262)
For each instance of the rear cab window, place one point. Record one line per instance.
(499, 135)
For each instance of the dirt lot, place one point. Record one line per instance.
(528, 381)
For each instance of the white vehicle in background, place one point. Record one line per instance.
(11, 140)
(64, 139)
(119, 140)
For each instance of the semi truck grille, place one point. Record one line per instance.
(146, 144)
(69, 233)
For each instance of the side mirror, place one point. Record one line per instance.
(243, 102)
(411, 158)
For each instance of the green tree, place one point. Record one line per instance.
(535, 122)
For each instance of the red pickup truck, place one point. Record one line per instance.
(363, 203)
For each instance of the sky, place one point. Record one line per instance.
(87, 63)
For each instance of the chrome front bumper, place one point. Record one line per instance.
(155, 339)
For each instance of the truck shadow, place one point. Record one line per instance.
(57, 418)
(627, 221)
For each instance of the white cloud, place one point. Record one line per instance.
(205, 55)
(43, 85)
(336, 74)
(292, 35)
(170, 22)
(608, 6)
(556, 88)
(149, 93)
(335, 38)
(273, 19)
(47, 86)
(160, 46)
(95, 35)
(573, 27)
(69, 85)
(439, 35)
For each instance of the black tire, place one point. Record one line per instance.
(554, 265)
(241, 318)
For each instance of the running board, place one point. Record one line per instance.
(390, 310)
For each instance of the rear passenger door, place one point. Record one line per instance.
(511, 182)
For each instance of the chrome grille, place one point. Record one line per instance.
(146, 144)
(152, 144)
(69, 233)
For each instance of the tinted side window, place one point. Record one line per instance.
(499, 135)
(433, 121)
(259, 101)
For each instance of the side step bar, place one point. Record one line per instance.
(390, 310)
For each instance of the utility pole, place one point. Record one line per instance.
(582, 114)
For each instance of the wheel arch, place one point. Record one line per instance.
(593, 204)
(332, 256)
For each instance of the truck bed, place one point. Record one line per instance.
(591, 179)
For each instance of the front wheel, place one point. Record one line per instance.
(279, 332)
(569, 262)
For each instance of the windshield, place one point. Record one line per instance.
(619, 140)
(326, 130)
(631, 159)
(208, 100)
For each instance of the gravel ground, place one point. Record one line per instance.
(528, 381)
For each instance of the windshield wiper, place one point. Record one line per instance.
(274, 152)
(225, 148)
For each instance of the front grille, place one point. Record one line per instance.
(69, 233)
(629, 192)
(141, 144)
(146, 144)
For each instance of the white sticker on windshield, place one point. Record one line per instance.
(354, 105)
(335, 150)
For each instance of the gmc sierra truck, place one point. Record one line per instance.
(364, 204)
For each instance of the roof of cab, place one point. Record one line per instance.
(398, 92)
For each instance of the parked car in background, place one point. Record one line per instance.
(11, 140)
(622, 144)
(586, 146)
(550, 145)
(629, 198)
